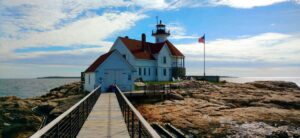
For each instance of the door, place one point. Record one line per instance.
(115, 77)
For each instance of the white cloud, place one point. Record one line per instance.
(73, 52)
(246, 3)
(151, 4)
(242, 4)
(45, 15)
(86, 31)
(268, 47)
(67, 23)
(89, 31)
(248, 72)
(297, 1)
(179, 32)
(34, 70)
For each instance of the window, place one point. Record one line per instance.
(165, 72)
(149, 71)
(124, 56)
(89, 78)
(145, 71)
(140, 71)
(164, 60)
(129, 77)
(100, 80)
(156, 72)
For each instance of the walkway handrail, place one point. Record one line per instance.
(68, 124)
(136, 124)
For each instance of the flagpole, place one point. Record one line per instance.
(204, 60)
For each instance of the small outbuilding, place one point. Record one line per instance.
(110, 68)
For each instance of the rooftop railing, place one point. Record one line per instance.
(69, 123)
(136, 124)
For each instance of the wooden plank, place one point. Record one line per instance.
(105, 120)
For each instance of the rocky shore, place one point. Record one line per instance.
(22, 117)
(256, 109)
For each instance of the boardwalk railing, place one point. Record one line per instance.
(136, 124)
(68, 124)
(157, 89)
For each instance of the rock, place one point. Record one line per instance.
(139, 84)
(275, 85)
(175, 96)
(257, 109)
(45, 108)
(63, 90)
(278, 134)
(17, 119)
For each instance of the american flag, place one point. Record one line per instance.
(202, 39)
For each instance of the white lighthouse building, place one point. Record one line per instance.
(129, 60)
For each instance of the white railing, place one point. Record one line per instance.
(69, 123)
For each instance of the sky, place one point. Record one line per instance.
(247, 38)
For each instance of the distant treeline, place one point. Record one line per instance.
(58, 77)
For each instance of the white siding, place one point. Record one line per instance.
(118, 45)
(145, 66)
(161, 66)
(89, 83)
(115, 70)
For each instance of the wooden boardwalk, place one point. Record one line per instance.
(105, 120)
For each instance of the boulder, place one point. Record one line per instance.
(175, 96)
(45, 108)
(275, 85)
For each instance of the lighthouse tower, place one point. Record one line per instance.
(160, 34)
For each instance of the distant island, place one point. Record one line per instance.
(58, 77)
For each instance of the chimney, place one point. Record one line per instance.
(144, 47)
(126, 37)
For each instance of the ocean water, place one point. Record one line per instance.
(26, 88)
(251, 79)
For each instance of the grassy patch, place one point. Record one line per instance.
(158, 82)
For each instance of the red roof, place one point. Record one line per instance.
(146, 52)
(98, 62)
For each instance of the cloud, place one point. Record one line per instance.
(247, 72)
(60, 23)
(271, 48)
(297, 1)
(241, 4)
(86, 31)
(179, 32)
(151, 4)
(89, 31)
(246, 3)
(69, 23)
(34, 70)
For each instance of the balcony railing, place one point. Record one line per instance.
(136, 124)
(160, 31)
(70, 122)
(178, 72)
(177, 64)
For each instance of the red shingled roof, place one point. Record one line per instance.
(98, 62)
(135, 46)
